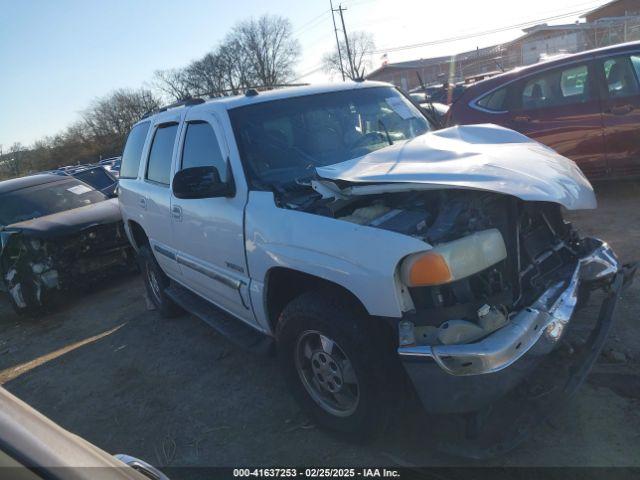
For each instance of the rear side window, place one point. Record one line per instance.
(573, 82)
(495, 101)
(201, 148)
(133, 151)
(159, 165)
(620, 76)
(556, 87)
(635, 60)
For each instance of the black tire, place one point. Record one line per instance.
(366, 344)
(151, 272)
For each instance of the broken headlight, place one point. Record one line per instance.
(454, 260)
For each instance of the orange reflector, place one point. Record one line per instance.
(428, 269)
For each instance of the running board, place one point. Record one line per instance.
(235, 330)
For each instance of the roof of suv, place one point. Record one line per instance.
(236, 101)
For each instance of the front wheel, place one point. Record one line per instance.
(338, 363)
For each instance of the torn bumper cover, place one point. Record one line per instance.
(34, 266)
(470, 377)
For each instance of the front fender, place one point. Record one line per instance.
(361, 259)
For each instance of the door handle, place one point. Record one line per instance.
(620, 109)
(143, 203)
(176, 212)
(522, 118)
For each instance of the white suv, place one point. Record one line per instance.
(333, 224)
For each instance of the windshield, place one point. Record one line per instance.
(281, 142)
(46, 199)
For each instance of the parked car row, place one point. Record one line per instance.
(585, 106)
(101, 176)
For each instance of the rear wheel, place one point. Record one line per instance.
(338, 363)
(156, 282)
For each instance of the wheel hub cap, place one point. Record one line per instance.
(327, 373)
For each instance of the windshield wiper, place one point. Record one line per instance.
(381, 124)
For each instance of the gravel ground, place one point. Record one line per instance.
(175, 393)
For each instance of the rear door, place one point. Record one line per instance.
(155, 194)
(621, 112)
(210, 231)
(560, 107)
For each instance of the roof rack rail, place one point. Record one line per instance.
(187, 102)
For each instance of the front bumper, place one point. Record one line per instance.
(470, 377)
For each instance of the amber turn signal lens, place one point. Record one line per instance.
(427, 269)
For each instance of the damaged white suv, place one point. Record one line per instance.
(332, 223)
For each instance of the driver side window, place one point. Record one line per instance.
(202, 149)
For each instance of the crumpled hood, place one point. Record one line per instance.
(482, 157)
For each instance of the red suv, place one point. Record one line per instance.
(585, 106)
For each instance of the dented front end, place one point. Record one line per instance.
(35, 266)
(494, 291)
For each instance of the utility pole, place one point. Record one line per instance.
(346, 41)
(335, 30)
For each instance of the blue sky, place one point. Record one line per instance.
(56, 56)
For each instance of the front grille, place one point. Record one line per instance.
(94, 240)
(546, 248)
(541, 247)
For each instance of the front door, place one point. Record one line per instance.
(209, 231)
(560, 107)
(621, 113)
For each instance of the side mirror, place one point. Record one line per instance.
(201, 182)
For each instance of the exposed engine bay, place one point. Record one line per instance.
(538, 245)
(35, 268)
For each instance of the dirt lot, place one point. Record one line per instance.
(173, 392)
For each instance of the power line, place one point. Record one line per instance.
(477, 34)
(318, 67)
(352, 3)
(355, 3)
(403, 18)
(307, 25)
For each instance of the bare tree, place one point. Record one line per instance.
(361, 45)
(14, 163)
(269, 47)
(258, 52)
(115, 114)
(174, 83)
(236, 66)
